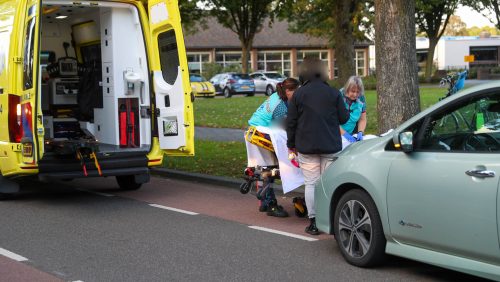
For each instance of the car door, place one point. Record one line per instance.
(259, 82)
(171, 79)
(215, 82)
(443, 195)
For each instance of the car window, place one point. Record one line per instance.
(471, 126)
(273, 75)
(241, 76)
(197, 78)
(256, 75)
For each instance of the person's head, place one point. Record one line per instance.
(312, 68)
(353, 88)
(286, 88)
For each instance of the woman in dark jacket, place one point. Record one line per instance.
(315, 114)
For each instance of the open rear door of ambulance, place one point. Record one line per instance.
(174, 104)
(29, 118)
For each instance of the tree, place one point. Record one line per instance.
(243, 17)
(395, 46)
(455, 27)
(339, 21)
(191, 15)
(476, 31)
(488, 8)
(432, 17)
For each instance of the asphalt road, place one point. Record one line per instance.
(170, 230)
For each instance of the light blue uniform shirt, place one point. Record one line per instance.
(272, 111)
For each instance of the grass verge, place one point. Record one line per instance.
(214, 158)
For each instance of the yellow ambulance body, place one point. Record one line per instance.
(92, 89)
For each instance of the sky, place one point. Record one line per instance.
(472, 18)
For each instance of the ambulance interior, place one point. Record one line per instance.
(94, 79)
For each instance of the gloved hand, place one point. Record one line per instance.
(360, 136)
(349, 137)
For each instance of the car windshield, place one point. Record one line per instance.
(196, 78)
(273, 75)
(241, 76)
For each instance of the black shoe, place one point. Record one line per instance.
(277, 211)
(312, 229)
(263, 208)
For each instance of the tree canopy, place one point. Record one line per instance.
(245, 18)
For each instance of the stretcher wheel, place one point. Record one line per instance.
(245, 187)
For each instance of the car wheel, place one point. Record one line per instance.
(127, 182)
(6, 196)
(358, 229)
(227, 93)
(269, 90)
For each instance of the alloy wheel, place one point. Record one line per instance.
(355, 229)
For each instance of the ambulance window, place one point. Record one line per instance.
(169, 56)
(29, 49)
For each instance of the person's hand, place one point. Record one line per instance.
(349, 137)
(360, 136)
(292, 151)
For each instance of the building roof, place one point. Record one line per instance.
(277, 36)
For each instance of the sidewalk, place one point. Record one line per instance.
(219, 134)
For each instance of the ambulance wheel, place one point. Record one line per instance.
(127, 182)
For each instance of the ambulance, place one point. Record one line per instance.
(91, 89)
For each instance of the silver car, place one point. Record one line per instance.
(265, 82)
(427, 191)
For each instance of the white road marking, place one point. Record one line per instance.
(96, 193)
(12, 255)
(305, 238)
(173, 209)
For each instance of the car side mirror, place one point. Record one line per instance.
(404, 141)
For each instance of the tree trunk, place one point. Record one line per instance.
(395, 46)
(245, 54)
(343, 39)
(430, 59)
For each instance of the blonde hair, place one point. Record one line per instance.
(355, 81)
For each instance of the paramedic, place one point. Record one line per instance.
(273, 113)
(315, 114)
(354, 99)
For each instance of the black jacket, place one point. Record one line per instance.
(315, 114)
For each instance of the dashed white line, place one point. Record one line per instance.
(305, 238)
(96, 193)
(173, 209)
(12, 255)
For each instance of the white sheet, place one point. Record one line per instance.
(291, 176)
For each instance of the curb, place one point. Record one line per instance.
(204, 178)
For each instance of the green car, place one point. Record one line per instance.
(427, 191)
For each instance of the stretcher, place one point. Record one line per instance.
(264, 163)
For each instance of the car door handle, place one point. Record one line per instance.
(480, 173)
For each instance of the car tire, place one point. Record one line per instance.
(127, 182)
(6, 196)
(227, 93)
(360, 244)
(269, 90)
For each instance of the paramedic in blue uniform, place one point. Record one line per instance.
(271, 113)
(354, 99)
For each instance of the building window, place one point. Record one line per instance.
(228, 58)
(196, 61)
(359, 64)
(487, 54)
(275, 61)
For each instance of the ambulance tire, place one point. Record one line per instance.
(127, 182)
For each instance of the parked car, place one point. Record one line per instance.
(266, 81)
(200, 86)
(427, 191)
(233, 83)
